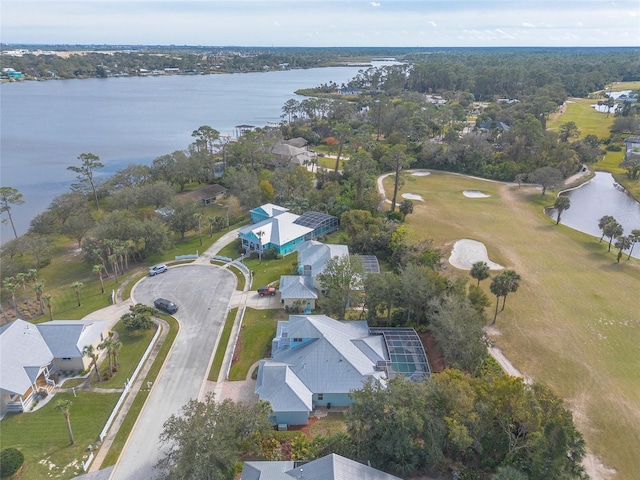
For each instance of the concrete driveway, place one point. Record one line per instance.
(202, 293)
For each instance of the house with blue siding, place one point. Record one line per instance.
(317, 361)
(275, 227)
(266, 211)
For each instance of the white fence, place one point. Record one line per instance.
(127, 385)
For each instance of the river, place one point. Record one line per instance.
(599, 197)
(46, 125)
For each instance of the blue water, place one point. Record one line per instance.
(46, 125)
(599, 197)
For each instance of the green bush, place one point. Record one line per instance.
(11, 460)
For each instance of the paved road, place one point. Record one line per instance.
(202, 293)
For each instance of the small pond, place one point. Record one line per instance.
(601, 196)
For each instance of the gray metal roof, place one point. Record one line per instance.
(23, 352)
(329, 467)
(316, 255)
(67, 338)
(283, 388)
(327, 356)
(298, 287)
(277, 230)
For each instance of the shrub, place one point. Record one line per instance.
(11, 459)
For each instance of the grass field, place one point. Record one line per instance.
(258, 329)
(589, 122)
(573, 324)
(42, 435)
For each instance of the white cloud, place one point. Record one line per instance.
(375, 4)
(528, 25)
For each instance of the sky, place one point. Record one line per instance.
(333, 23)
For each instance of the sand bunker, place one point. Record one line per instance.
(467, 252)
(475, 194)
(420, 174)
(413, 196)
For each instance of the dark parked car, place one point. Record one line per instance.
(157, 269)
(166, 306)
(262, 291)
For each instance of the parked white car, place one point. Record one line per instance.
(157, 269)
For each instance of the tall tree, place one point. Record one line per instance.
(9, 197)
(88, 164)
(634, 237)
(342, 281)
(603, 223)
(206, 139)
(47, 301)
(97, 269)
(622, 243)
(11, 285)
(90, 352)
(512, 280)
(207, 437)
(499, 287)
(341, 132)
(562, 203)
(398, 160)
(38, 288)
(568, 130)
(64, 407)
(76, 287)
(547, 177)
(479, 271)
(612, 230)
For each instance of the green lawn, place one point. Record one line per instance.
(214, 373)
(572, 324)
(258, 329)
(270, 270)
(588, 121)
(42, 435)
(134, 345)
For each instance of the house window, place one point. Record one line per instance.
(321, 396)
(297, 340)
(66, 358)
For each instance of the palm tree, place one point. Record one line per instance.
(47, 302)
(112, 346)
(622, 243)
(11, 286)
(513, 282)
(90, 351)
(603, 223)
(77, 286)
(634, 237)
(22, 278)
(64, 406)
(499, 287)
(479, 271)
(97, 269)
(38, 287)
(198, 216)
(612, 230)
(561, 204)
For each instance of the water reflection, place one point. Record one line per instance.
(601, 196)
